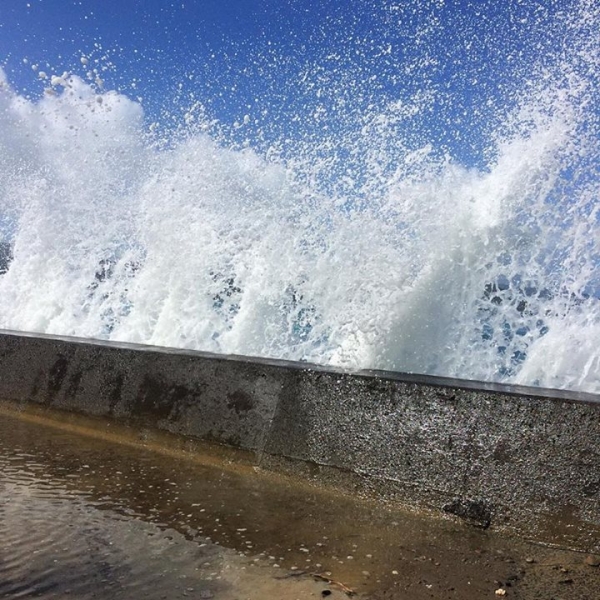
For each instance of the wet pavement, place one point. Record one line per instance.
(92, 509)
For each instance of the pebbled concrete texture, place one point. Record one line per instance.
(522, 458)
(489, 457)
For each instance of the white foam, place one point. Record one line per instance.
(445, 270)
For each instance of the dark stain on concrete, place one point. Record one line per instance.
(158, 398)
(240, 401)
(116, 392)
(447, 397)
(74, 383)
(377, 386)
(56, 376)
(35, 388)
(476, 512)
(502, 454)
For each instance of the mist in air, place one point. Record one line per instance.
(420, 196)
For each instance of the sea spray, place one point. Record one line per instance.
(353, 241)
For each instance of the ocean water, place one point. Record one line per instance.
(359, 242)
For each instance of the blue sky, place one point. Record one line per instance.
(298, 67)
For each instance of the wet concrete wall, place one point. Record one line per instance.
(523, 458)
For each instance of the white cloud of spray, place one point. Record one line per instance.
(427, 267)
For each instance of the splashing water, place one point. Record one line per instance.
(352, 240)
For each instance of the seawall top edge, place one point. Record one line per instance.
(383, 375)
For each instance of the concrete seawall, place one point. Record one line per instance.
(522, 458)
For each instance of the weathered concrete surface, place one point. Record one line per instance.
(518, 460)
(202, 396)
(520, 457)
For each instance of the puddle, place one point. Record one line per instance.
(86, 516)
